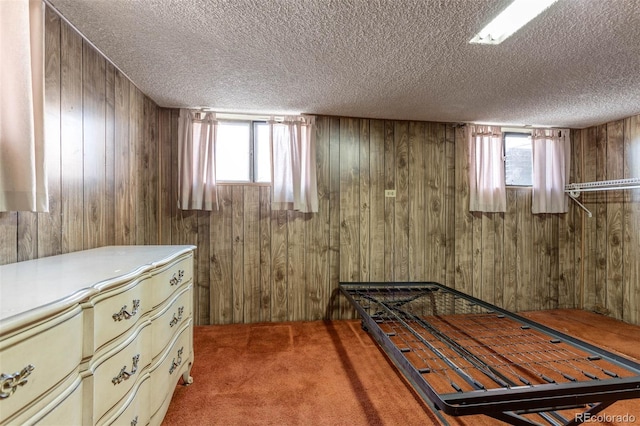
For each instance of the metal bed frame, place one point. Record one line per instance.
(465, 356)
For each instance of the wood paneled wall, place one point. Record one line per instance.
(112, 167)
(275, 266)
(610, 240)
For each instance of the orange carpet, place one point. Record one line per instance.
(333, 373)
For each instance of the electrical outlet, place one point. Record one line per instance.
(390, 193)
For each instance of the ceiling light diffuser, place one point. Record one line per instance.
(514, 17)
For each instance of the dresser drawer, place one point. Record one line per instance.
(172, 364)
(115, 312)
(135, 407)
(117, 373)
(169, 318)
(33, 362)
(169, 279)
(67, 412)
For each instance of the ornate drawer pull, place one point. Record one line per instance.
(134, 422)
(123, 314)
(177, 319)
(175, 280)
(123, 373)
(175, 364)
(10, 382)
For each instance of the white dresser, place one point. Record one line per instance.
(95, 337)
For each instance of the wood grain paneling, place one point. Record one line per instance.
(49, 224)
(631, 224)
(93, 147)
(113, 167)
(71, 149)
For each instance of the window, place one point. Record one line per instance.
(518, 159)
(242, 152)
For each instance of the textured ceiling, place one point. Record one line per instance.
(575, 65)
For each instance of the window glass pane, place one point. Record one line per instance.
(233, 151)
(262, 152)
(518, 159)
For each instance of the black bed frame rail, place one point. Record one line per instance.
(506, 404)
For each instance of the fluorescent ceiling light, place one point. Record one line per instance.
(514, 17)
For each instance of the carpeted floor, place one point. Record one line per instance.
(332, 373)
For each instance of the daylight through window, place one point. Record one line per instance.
(242, 152)
(518, 161)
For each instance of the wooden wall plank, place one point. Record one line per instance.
(136, 215)
(151, 157)
(525, 260)
(551, 241)
(175, 114)
(93, 90)
(389, 203)
(349, 201)
(401, 233)
(8, 237)
(364, 196)
(333, 305)
(251, 261)
(579, 217)
(419, 261)
(450, 208)
(296, 268)
(498, 260)
(279, 255)
(166, 195)
(122, 173)
(349, 207)
(49, 224)
(202, 282)
(266, 281)
(510, 262)
(600, 216)
(221, 251)
(463, 218)
(27, 236)
(477, 247)
(238, 245)
(487, 258)
(631, 223)
(590, 232)
(614, 218)
(436, 221)
(566, 246)
(110, 152)
(317, 249)
(377, 246)
(71, 129)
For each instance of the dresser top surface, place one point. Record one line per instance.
(36, 286)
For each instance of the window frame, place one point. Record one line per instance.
(252, 157)
(520, 133)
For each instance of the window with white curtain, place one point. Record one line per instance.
(215, 151)
(539, 158)
(486, 169)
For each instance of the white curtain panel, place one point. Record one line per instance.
(293, 173)
(486, 169)
(551, 166)
(196, 161)
(23, 178)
